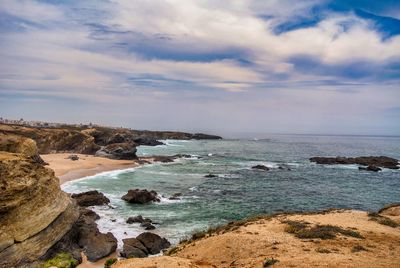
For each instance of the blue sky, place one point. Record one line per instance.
(270, 66)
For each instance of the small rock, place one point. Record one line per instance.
(370, 168)
(138, 219)
(147, 226)
(210, 176)
(260, 167)
(73, 157)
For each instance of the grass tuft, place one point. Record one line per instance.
(269, 262)
(303, 230)
(323, 250)
(61, 260)
(373, 216)
(110, 262)
(358, 248)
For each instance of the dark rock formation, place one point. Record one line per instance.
(121, 151)
(378, 161)
(140, 196)
(148, 141)
(201, 136)
(153, 243)
(260, 167)
(133, 248)
(90, 198)
(210, 176)
(138, 219)
(370, 168)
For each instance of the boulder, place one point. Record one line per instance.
(153, 243)
(260, 167)
(96, 245)
(133, 248)
(378, 161)
(90, 198)
(138, 219)
(120, 151)
(73, 157)
(138, 196)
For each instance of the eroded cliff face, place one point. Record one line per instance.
(34, 212)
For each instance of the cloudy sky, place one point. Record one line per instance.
(273, 66)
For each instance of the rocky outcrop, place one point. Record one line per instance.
(90, 198)
(35, 213)
(377, 161)
(138, 196)
(121, 151)
(143, 245)
(260, 167)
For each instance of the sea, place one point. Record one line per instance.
(238, 191)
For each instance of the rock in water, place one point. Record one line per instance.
(73, 157)
(90, 198)
(140, 196)
(378, 161)
(138, 219)
(260, 167)
(370, 168)
(35, 213)
(153, 243)
(133, 248)
(147, 226)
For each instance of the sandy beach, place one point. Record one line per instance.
(87, 165)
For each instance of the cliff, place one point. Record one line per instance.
(335, 238)
(112, 143)
(34, 212)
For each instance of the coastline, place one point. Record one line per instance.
(87, 165)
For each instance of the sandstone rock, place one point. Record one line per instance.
(378, 161)
(121, 151)
(90, 198)
(35, 213)
(260, 167)
(153, 243)
(133, 248)
(140, 196)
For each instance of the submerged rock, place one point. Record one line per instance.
(138, 219)
(153, 243)
(370, 168)
(210, 176)
(147, 226)
(260, 167)
(90, 198)
(138, 196)
(378, 161)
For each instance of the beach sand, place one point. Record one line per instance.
(87, 165)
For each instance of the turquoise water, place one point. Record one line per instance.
(239, 191)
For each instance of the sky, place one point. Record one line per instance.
(227, 66)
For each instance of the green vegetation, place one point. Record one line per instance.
(358, 248)
(304, 231)
(61, 260)
(373, 216)
(269, 262)
(110, 262)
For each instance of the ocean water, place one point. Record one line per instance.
(238, 191)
